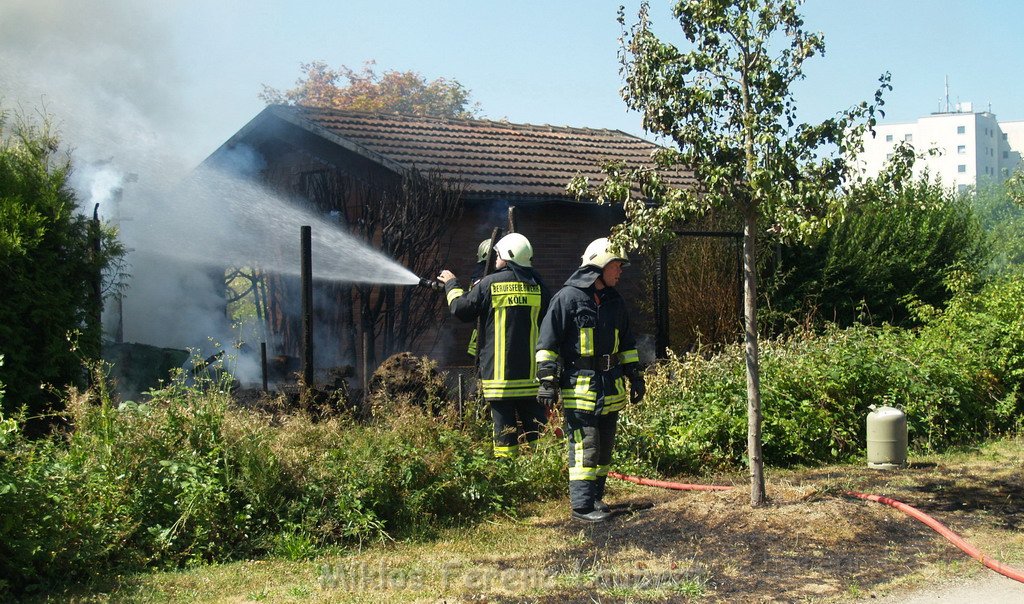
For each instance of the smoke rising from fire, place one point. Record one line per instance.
(106, 70)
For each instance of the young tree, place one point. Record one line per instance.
(404, 92)
(409, 220)
(726, 101)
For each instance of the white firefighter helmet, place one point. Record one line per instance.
(483, 249)
(515, 248)
(600, 252)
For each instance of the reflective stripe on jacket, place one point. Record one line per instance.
(511, 305)
(586, 322)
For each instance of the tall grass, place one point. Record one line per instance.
(186, 478)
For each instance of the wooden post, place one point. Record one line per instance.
(307, 305)
(492, 256)
(97, 277)
(512, 220)
(661, 313)
(263, 363)
(459, 402)
(366, 364)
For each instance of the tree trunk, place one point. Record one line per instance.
(757, 492)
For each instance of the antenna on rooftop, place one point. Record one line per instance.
(947, 94)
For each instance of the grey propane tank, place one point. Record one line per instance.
(887, 438)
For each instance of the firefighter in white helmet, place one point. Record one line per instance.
(511, 302)
(482, 251)
(586, 348)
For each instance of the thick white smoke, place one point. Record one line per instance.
(106, 70)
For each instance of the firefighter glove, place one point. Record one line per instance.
(637, 388)
(547, 392)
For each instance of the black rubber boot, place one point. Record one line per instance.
(600, 506)
(591, 516)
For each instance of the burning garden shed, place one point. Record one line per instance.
(424, 191)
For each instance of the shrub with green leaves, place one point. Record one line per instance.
(1003, 221)
(987, 329)
(47, 314)
(186, 478)
(958, 378)
(897, 243)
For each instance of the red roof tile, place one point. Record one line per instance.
(492, 158)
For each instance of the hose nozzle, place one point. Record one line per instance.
(432, 284)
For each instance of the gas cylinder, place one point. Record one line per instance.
(887, 438)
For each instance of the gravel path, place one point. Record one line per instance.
(991, 588)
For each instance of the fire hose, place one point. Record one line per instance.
(916, 514)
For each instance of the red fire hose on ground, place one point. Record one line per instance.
(911, 511)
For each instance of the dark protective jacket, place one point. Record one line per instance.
(511, 302)
(478, 272)
(583, 325)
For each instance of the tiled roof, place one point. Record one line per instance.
(492, 158)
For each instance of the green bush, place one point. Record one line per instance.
(186, 478)
(1003, 221)
(899, 243)
(48, 317)
(958, 378)
(987, 328)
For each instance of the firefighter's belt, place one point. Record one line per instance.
(605, 362)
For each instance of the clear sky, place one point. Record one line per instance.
(185, 74)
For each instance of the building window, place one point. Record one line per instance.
(961, 149)
(908, 137)
(888, 138)
(1006, 154)
(961, 168)
(961, 189)
(888, 156)
(961, 129)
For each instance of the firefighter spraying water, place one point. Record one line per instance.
(511, 302)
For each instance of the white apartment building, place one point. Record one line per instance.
(963, 148)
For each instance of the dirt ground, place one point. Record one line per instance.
(811, 543)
